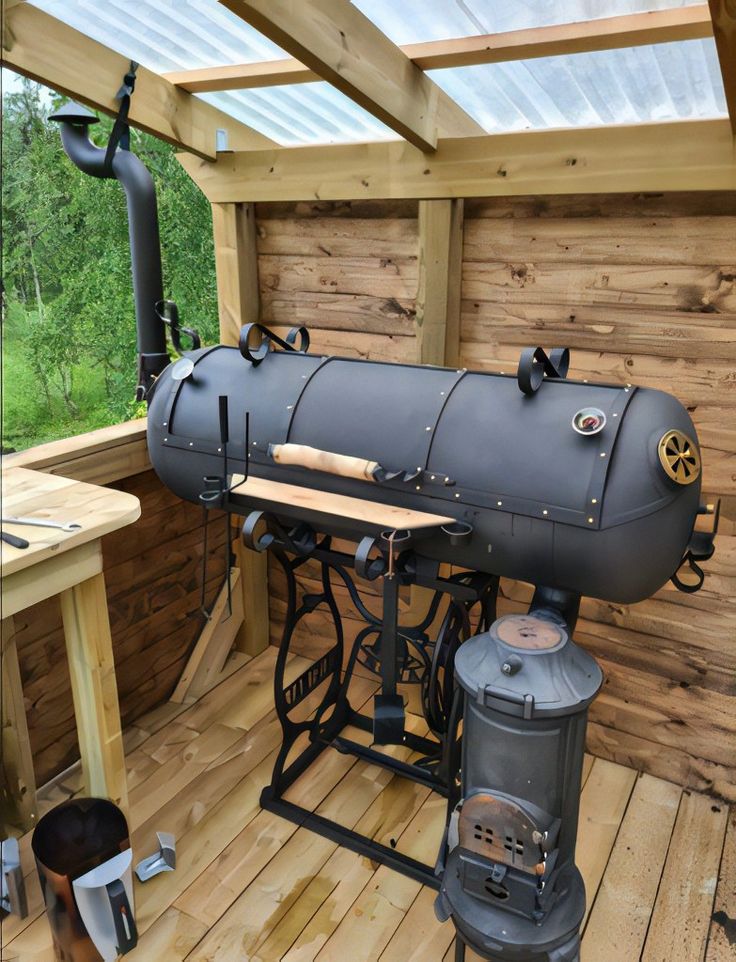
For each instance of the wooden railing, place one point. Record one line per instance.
(99, 457)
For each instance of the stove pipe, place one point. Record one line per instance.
(145, 247)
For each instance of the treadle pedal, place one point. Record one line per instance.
(388, 720)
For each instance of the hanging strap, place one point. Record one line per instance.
(120, 135)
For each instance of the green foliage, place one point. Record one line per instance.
(68, 317)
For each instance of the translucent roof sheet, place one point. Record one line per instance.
(413, 21)
(667, 81)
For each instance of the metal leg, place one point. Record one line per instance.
(459, 949)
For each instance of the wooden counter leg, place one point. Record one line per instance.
(17, 779)
(92, 672)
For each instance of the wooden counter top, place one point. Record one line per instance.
(35, 494)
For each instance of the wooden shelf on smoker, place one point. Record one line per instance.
(387, 517)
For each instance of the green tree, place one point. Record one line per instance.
(69, 321)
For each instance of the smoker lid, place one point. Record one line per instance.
(528, 666)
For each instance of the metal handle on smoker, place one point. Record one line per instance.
(126, 935)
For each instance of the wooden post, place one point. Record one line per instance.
(94, 689)
(238, 295)
(438, 306)
(438, 291)
(17, 780)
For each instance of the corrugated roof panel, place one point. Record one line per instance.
(168, 35)
(413, 21)
(611, 87)
(670, 81)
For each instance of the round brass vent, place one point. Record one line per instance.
(679, 456)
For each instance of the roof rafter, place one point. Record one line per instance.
(341, 45)
(723, 13)
(631, 30)
(43, 48)
(685, 155)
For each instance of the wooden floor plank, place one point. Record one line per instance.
(266, 901)
(313, 919)
(722, 937)
(230, 873)
(420, 936)
(681, 917)
(602, 806)
(378, 911)
(619, 918)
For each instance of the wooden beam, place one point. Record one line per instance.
(438, 289)
(17, 779)
(609, 33)
(210, 653)
(341, 45)
(43, 48)
(630, 30)
(238, 296)
(723, 13)
(690, 155)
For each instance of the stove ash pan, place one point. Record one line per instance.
(590, 488)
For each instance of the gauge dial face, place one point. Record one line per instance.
(588, 421)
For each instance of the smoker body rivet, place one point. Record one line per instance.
(164, 424)
(191, 444)
(289, 407)
(432, 478)
(594, 500)
(545, 511)
(590, 520)
(419, 487)
(219, 450)
(457, 495)
(499, 503)
(166, 439)
(428, 429)
(255, 443)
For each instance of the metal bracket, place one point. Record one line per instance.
(12, 884)
(162, 861)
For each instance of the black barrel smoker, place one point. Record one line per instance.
(448, 480)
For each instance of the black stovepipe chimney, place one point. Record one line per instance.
(145, 247)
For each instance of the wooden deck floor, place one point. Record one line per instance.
(659, 863)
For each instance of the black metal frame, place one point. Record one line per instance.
(402, 655)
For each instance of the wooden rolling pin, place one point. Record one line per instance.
(306, 457)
